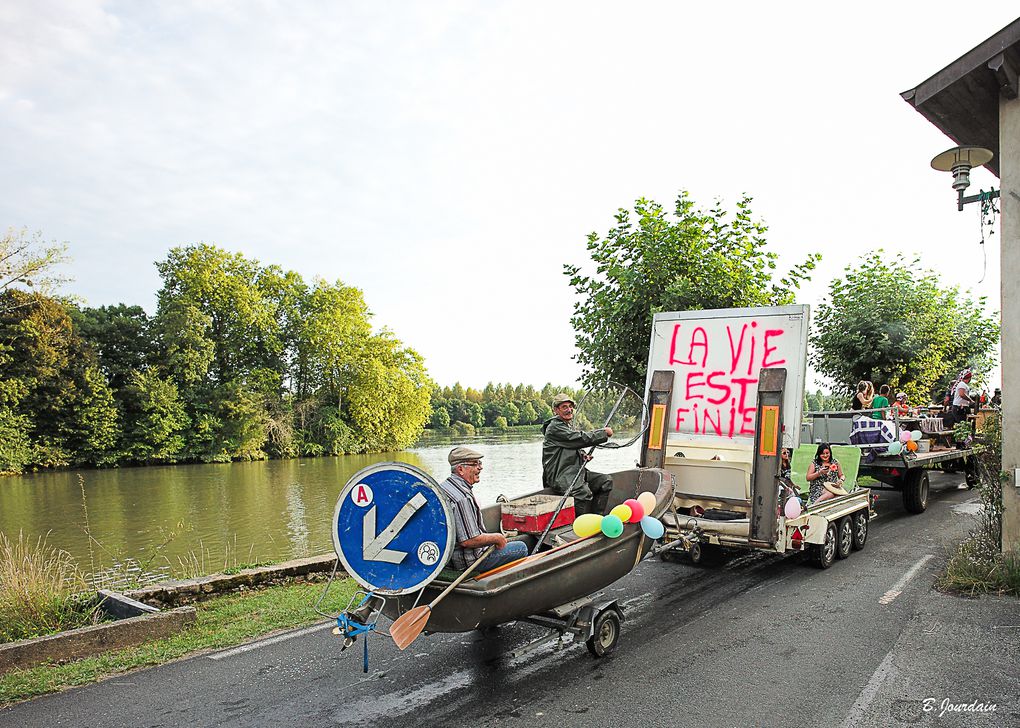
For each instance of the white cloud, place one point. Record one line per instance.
(449, 158)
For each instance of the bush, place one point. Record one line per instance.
(979, 565)
(465, 429)
(41, 590)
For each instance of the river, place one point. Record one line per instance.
(188, 519)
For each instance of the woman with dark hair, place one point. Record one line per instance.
(825, 475)
(864, 397)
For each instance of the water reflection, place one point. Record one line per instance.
(236, 512)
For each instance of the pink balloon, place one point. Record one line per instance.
(637, 511)
(792, 507)
(904, 436)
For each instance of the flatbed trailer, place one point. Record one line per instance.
(906, 472)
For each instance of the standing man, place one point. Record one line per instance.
(562, 459)
(472, 540)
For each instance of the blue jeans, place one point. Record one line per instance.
(511, 552)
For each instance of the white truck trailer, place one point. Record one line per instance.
(725, 391)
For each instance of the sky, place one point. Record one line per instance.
(448, 158)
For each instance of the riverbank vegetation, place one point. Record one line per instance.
(239, 361)
(42, 591)
(222, 621)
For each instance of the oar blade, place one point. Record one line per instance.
(409, 625)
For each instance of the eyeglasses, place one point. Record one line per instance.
(475, 464)
(565, 405)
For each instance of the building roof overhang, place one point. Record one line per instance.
(962, 99)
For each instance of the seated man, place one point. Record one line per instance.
(471, 538)
(562, 460)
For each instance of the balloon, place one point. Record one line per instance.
(792, 507)
(904, 436)
(637, 511)
(915, 435)
(895, 448)
(652, 527)
(612, 526)
(911, 446)
(587, 524)
(647, 500)
(623, 512)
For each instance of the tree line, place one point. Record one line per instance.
(239, 361)
(496, 405)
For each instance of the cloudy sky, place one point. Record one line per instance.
(449, 157)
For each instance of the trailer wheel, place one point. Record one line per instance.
(971, 473)
(825, 553)
(860, 527)
(844, 537)
(605, 635)
(705, 554)
(915, 491)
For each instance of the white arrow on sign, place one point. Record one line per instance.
(373, 547)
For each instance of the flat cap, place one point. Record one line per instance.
(561, 398)
(463, 455)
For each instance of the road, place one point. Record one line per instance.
(762, 641)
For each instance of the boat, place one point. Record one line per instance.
(571, 568)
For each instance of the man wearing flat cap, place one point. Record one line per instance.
(563, 461)
(472, 540)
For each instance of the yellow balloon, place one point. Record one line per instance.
(648, 501)
(588, 524)
(623, 512)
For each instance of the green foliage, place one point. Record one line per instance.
(891, 322)
(501, 423)
(651, 262)
(28, 261)
(53, 394)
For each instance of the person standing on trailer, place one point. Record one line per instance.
(562, 459)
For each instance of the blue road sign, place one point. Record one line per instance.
(392, 528)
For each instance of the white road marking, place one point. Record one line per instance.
(270, 641)
(882, 673)
(897, 588)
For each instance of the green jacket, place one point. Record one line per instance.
(561, 456)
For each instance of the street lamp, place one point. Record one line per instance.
(959, 161)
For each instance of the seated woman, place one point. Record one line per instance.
(825, 475)
(902, 408)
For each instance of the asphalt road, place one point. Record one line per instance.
(762, 641)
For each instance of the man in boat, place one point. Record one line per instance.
(563, 461)
(472, 540)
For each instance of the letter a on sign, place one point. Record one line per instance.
(361, 495)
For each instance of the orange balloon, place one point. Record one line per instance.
(911, 446)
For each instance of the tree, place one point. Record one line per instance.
(119, 335)
(890, 322)
(29, 262)
(694, 260)
(53, 391)
(154, 419)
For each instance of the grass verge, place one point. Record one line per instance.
(221, 622)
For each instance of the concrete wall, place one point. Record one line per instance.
(1009, 178)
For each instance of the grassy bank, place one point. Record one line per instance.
(222, 622)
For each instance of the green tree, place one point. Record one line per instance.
(528, 415)
(119, 335)
(651, 262)
(53, 383)
(29, 261)
(440, 418)
(388, 396)
(154, 419)
(891, 322)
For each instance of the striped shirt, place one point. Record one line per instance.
(467, 518)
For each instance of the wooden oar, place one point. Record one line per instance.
(409, 625)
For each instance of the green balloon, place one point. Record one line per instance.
(612, 526)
